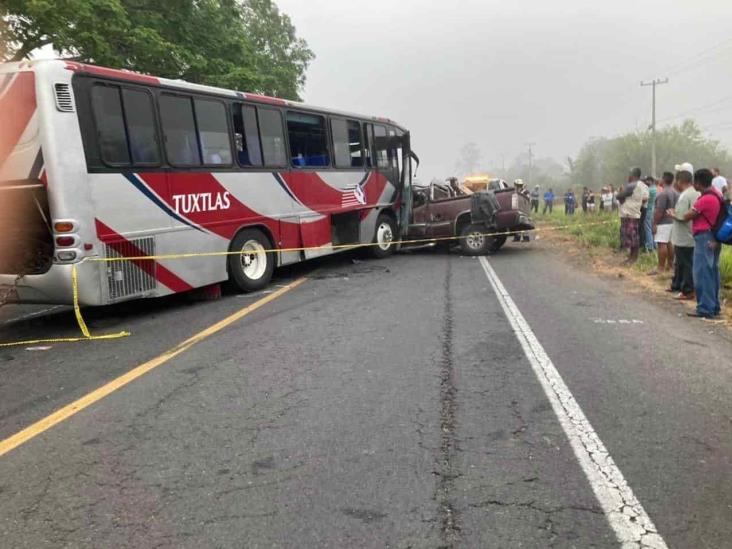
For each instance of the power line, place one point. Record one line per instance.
(697, 58)
(697, 109)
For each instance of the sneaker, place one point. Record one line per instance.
(684, 297)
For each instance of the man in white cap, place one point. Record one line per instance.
(720, 182)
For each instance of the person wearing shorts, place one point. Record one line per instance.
(666, 200)
(631, 199)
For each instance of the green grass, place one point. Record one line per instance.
(601, 230)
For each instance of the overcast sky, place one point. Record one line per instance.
(502, 73)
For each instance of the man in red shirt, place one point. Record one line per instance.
(704, 213)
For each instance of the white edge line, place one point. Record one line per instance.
(630, 522)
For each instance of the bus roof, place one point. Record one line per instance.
(140, 78)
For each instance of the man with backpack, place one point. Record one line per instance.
(705, 215)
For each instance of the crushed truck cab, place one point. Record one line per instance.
(479, 220)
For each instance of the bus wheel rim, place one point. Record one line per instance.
(253, 259)
(384, 236)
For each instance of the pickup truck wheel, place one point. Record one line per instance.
(498, 243)
(474, 241)
(251, 268)
(383, 237)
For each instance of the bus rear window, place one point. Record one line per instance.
(141, 127)
(107, 107)
(308, 140)
(179, 129)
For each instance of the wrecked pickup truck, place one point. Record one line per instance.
(444, 210)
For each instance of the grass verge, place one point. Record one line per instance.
(601, 231)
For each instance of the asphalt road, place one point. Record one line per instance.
(379, 404)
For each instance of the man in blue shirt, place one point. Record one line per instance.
(548, 201)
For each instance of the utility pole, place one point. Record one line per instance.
(654, 83)
(531, 161)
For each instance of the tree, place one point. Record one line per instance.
(603, 162)
(241, 44)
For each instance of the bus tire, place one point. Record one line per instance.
(384, 234)
(252, 271)
(474, 241)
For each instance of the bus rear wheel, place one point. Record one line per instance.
(251, 267)
(383, 243)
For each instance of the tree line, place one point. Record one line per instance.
(606, 161)
(247, 45)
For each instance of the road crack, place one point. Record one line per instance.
(449, 520)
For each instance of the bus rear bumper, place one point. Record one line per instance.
(55, 286)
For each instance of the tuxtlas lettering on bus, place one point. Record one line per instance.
(201, 202)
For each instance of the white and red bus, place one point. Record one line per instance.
(97, 162)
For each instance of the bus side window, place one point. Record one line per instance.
(381, 147)
(213, 132)
(179, 129)
(347, 141)
(273, 138)
(246, 131)
(110, 123)
(308, 140)
(141, 128)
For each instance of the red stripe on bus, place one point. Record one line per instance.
(320, 197)
(123, 246)
(266, 99)
(112, 73)
(200, 198)
(17, 106)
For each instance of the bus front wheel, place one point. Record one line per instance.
(384, 236)
(251, 267)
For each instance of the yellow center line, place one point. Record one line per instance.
(98, 394)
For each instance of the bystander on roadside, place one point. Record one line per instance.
(631, 199)
(681, 235)
(720, 182)
(535, 199)
(549, 201)
(703, 214)
(650, 243)
(662, 222)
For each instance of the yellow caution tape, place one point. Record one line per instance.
(87, 336)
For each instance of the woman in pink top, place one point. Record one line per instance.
(704, 213)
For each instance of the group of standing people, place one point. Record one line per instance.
(676, 216)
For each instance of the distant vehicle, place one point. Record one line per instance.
(446, 210)
(104, 163)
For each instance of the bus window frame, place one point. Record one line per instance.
(283, 126)
(119, 87)
(190, 97)
(229, 130)
(328, 142)
(156, 123)
(335, 166)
